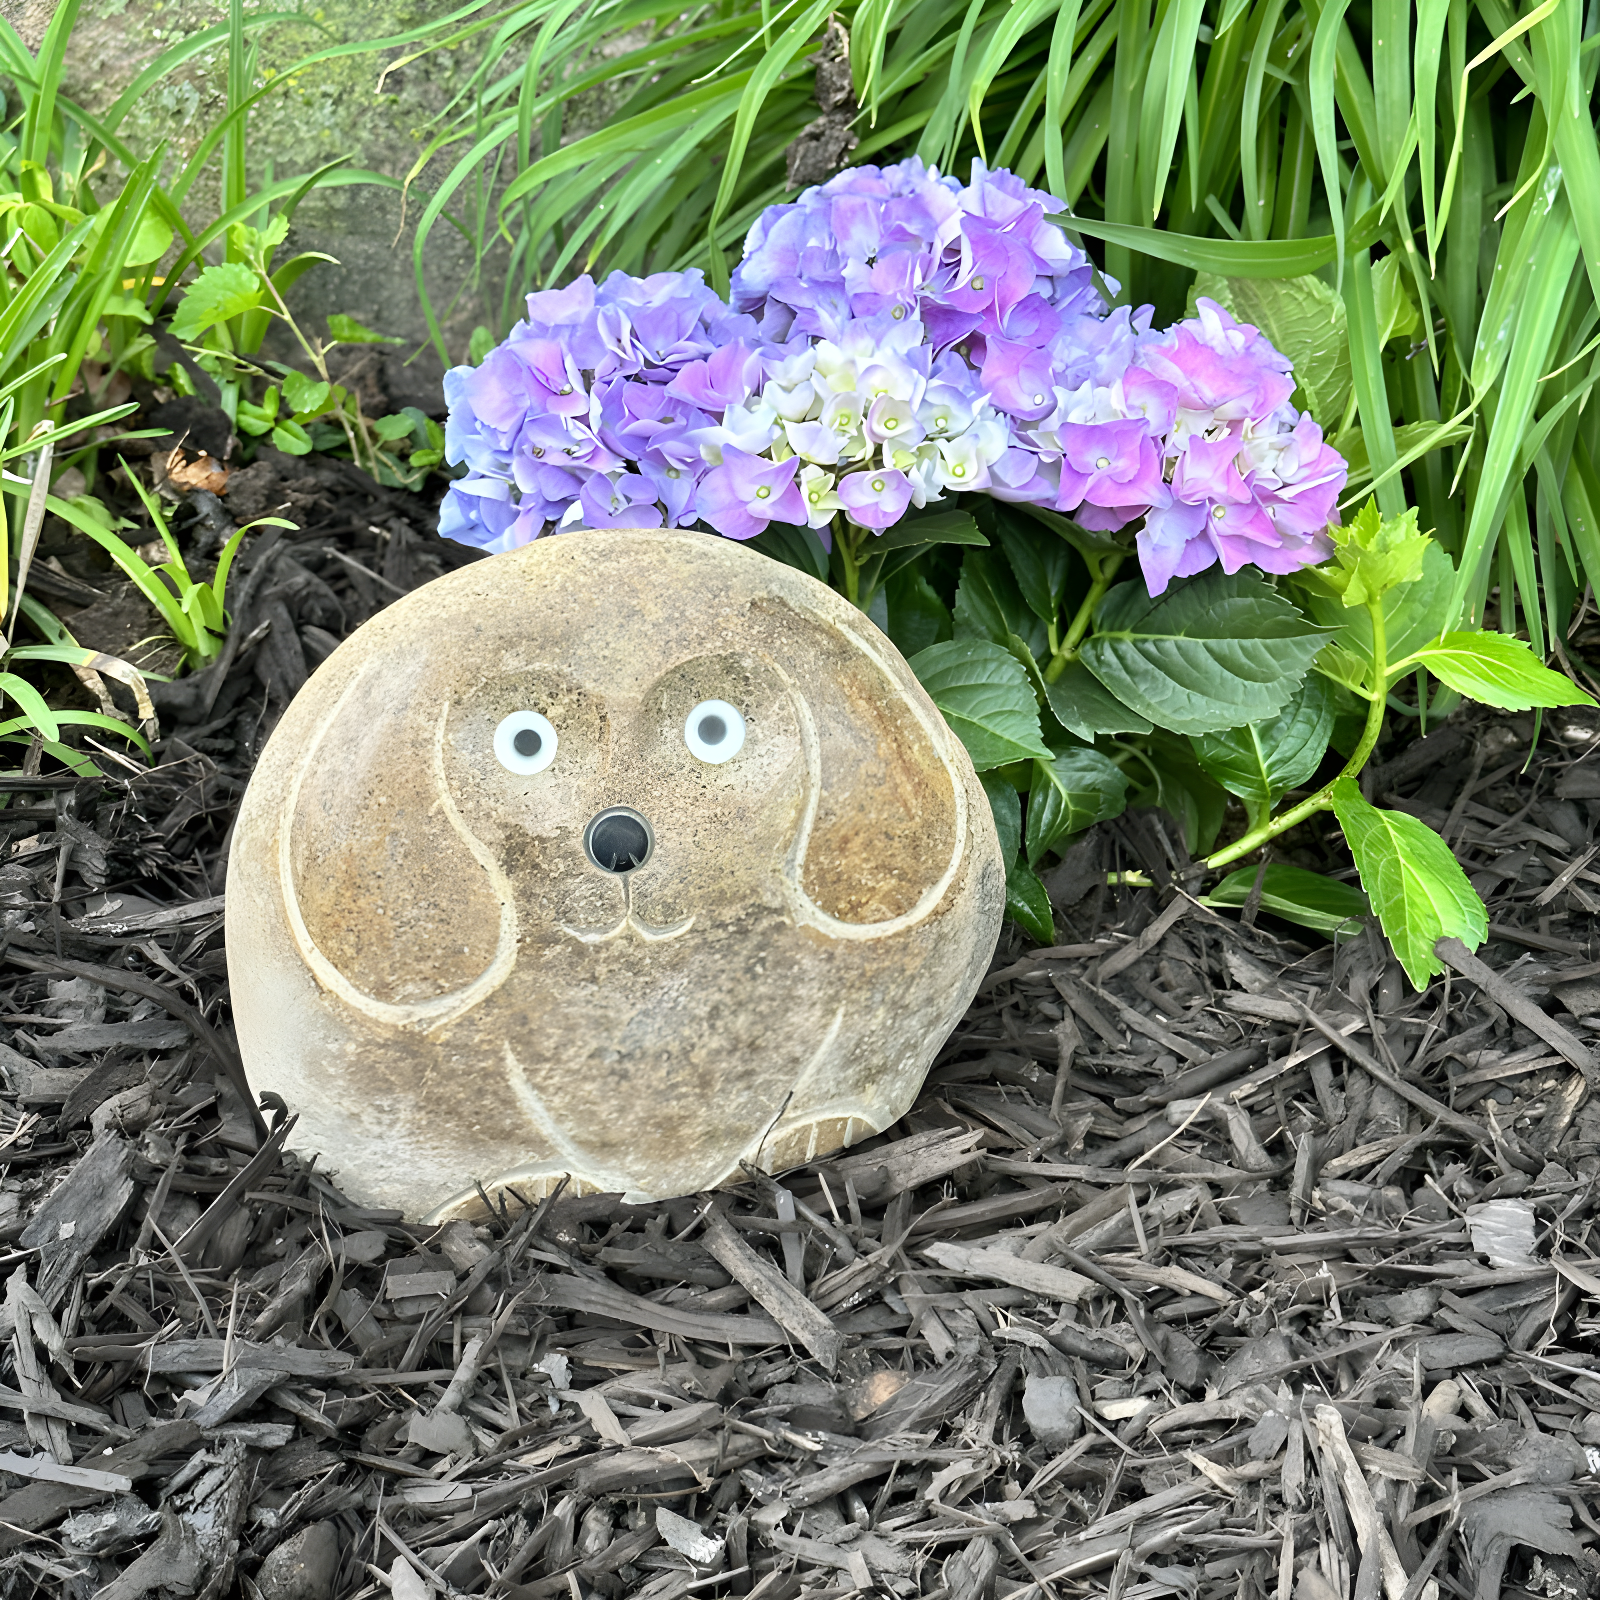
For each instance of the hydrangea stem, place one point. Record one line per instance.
(847, 556)
(1321, 801)
(1067, 651)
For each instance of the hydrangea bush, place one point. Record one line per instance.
(897, 340)
(894, 338)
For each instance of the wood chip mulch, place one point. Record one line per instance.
(1212, 1262)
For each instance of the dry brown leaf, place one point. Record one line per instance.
(204, 472)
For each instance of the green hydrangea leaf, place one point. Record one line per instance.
(1499, 671)
(1397, 316)
(1305, 898)
(1262, 761)
(1005, 804)
(989, 604)
(1039, 562)
(1028, 904)
(795, 545)
(983, 693)
(1077, 789)
(917, 616)
(1374, 554)
(1413, 614)
(1213, 652)
(1085, 707)
(942, 526)
(1415, 884)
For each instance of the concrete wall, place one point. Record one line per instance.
(335, 108)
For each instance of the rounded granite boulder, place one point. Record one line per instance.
(630, 855)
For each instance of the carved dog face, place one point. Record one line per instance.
(605, 857)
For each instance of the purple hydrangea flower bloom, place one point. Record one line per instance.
(1173, 544)
(727, 377)
(876, 499)
(894, 336)
(740, 497)
(1112, 465)
(477, 511)
(1025, 477)
(1298, 478)
(1018, 379)
(674, 486)
(626, 501)
(976, 260)
(1223, 371)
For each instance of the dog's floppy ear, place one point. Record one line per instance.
(395, 906)
(884, 824)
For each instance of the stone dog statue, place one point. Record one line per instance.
(631, 855)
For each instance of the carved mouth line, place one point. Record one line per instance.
(647, 931)
(631, 920)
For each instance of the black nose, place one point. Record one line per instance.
(618, 840)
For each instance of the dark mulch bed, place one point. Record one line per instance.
(1211, 1262)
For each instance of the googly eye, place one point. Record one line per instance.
(525, 743)
(714, 732)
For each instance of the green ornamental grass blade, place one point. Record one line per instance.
(1498, 671)
(32, 704)
(1416, 886)
(773, 64)
(77, 719)
(1172, 65)
(1526, 366)
(1076, 789)
(1212, 652)
(1257, 206)
(1236, 258)
(148, 584)
(1372, 395)
(1058, 104)
(1412, 441)
(1320, 90)
(985, 696)
(1391, 81)
(1021, 18)
(1305, 898)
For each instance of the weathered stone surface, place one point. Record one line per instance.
(430, 967)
